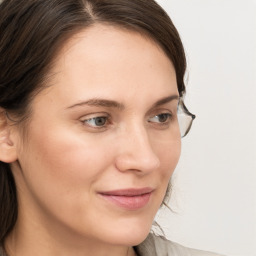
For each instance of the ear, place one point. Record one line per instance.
(8, 153)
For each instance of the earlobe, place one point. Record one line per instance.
(8, 152)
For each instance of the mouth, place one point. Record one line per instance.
(130, 199)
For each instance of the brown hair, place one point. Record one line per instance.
(32, 32)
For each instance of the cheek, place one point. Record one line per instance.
(60, 170)
(169, 155)
(70, 157)
(60, 164)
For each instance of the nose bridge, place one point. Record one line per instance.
(137, 152)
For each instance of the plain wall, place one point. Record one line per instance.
(214, 185)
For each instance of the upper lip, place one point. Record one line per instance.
(127, 192)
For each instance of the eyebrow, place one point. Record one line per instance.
(166, 100)
(97, 102)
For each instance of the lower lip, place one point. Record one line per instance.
(129, 202)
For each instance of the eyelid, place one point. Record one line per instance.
(166, 107)
(94, 115)
(163, 110)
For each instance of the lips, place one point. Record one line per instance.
(130, 199)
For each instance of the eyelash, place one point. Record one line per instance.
(167, 116)
(107, 120)
(106, 117)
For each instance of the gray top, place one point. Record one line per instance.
(159, 246)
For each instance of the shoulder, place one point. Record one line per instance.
(157, 245)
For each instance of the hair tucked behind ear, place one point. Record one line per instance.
(31, 34)
(8, 203)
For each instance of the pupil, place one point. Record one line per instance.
(100, 121)
(162, 118)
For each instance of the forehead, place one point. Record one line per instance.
(104, 60)
(108, 42)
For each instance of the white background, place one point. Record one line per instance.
(214, 186)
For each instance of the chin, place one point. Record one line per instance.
(130, 234)
(131, 227)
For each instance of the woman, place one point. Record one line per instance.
(89, 132)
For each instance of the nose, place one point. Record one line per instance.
(136, 152)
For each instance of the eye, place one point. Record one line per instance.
(161, 118)
(98, 122)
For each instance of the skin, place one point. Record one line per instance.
(65, 160)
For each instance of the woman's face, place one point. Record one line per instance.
(103, 140)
